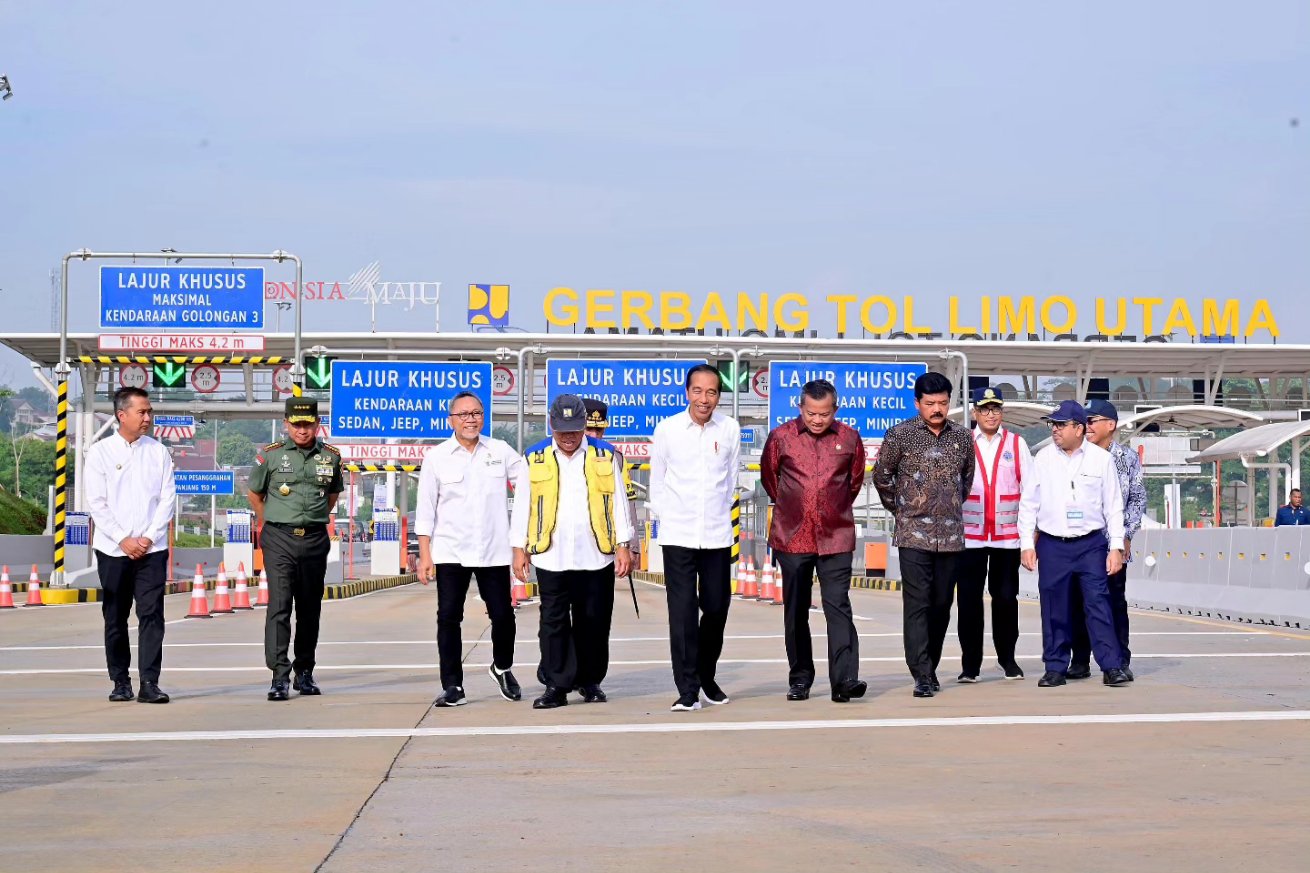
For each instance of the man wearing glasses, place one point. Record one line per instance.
(991, 539)
(1071, 503)
(1102, 419)
(462, 522)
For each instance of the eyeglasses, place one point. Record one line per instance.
(1061, 425)
(1097, 418)
(988, 410)
(467, 416)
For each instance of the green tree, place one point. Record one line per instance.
(235, 450)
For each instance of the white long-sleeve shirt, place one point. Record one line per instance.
(987, 449)
(1067, 495)
(573, 544)
(129, 492)
(463, 504)
(693, 479)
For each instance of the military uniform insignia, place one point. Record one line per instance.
(331, 448)
(284, 489)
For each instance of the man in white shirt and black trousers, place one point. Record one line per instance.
(462, 522)
(130, 493)
(573, 526)
(1070, 503)
(693, 480)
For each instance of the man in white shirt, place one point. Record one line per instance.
(573, 526)
(130, 494)
(462, 522)
(991, 539)
(693, 480)
(1070, 503)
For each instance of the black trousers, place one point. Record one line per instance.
(296, 566)
(452, 589)
(834, 571)
(1082, 642)
(576, 609)
(698, 584)
(998, 571)
(927, 589)
(125, 581)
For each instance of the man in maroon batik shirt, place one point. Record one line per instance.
(812, 469)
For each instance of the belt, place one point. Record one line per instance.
(1099, 532)
(296, 531)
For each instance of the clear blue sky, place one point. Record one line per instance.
(925, 148)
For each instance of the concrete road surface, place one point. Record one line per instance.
(1203, 764)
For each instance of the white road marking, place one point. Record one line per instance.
(533, 643)
(686, 726)
(654, 662)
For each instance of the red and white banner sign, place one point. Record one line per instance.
(378, 454)
(197, 343)
(633, 451)
(175, 434)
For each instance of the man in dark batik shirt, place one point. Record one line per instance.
(813, 469)
(924, 473)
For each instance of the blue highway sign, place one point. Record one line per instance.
(182, 297)
(871, 397)
(390, 399)
(204, 481)
(638, 393)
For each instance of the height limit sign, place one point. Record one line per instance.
(205, 379)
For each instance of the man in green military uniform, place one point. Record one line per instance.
(293, 490)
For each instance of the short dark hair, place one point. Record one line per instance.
(463, 394)
(818, 389)
(1295, 491)
(123, 397)
(931, 383)
(701, 368)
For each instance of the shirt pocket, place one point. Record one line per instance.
(1087, 489)
(602, 473)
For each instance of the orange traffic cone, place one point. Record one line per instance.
(222, 596)
(752, 589)
(261, 598)
(6, 590)
(34, 589)
(242, 598)
(766, 589)
(199, 598)
(739, 581)
(777, 589)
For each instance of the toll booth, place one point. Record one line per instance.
(386, 557)
(238, 548)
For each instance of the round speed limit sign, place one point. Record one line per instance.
(282, 379)
(133, 376)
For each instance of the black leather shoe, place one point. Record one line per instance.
(593, 694)
(1128, 671)
(713, 693)
(452, 696)
(1012, 671)
(1050, 679)
(798, 692)
(923, 688)
(936, 685)
(554, 697)
(150, 693)
(849, 690)
(967, 678)
(279, 691)
(508, 685)
(122, 691)
(1115, 677)
(1079, 671)
(305, 684)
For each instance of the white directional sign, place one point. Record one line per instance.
(282, 379)
(133, 376)
(205, 379)
(210, 343)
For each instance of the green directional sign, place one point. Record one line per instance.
(318, 373)
(734, 378)
(169, 375)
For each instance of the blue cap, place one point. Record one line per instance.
(988, 396)
(1069, 410)
(1102, 408)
